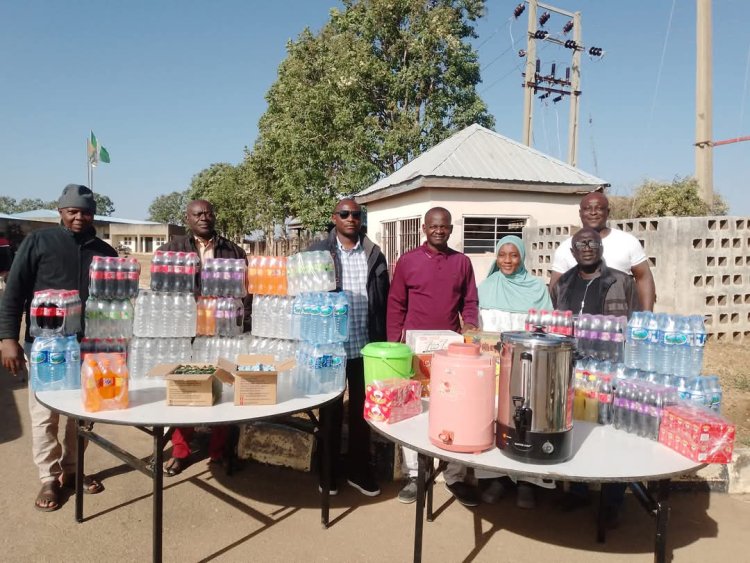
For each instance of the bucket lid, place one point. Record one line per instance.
(388, 350)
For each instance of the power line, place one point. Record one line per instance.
(661, 66)
(744, 90)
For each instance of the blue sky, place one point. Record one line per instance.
(170, 87)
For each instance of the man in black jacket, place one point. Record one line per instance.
(362, 274)
(207, 243)
(56, 258)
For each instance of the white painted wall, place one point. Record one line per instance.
(537, 208)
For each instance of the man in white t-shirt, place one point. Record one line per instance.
(622, 251)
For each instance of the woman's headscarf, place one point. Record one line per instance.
(516, 293)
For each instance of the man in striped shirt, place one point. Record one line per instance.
(362, 274)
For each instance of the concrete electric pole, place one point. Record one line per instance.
(704, 158)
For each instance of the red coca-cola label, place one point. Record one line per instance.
(121, 276)
(605, 397)
(60, 312)
(36, 311)
(132, 276)
(190, 270)
(109, 275)
(179, 269)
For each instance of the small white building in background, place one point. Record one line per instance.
(492, 185)
(139, 236)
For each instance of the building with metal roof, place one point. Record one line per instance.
(492, 186)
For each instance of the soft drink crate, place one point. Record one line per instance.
(55, 363)
(697, 433)
(551, 322)
(104, 382)
(224, 277)
(144, 353)
(109, 318)
(601, 336)
(174, 271)
(257, 378)
(638, 407)
(310, 272)
(427, 341)
(267, 275)
(160, 314)
(219, 316)
(392, 400)
(55, 312)
(114, 278)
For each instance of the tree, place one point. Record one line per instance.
(223, 185)
(381, 82)
(169, 208)
(680, 198)
(104, 205)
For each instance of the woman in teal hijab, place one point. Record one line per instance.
(509, 287)
(504, 299)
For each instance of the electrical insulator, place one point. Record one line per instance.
(544, 18)
(568, 27)
(570, 44)
(553, 70)
(557, 99)
(521, 53)
(540, 34)
(595, 51)
(519, 10)
(544, 96)
(538, 65)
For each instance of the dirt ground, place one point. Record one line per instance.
(730, 362)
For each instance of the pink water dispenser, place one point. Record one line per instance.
(462, 399)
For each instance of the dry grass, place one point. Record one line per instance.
(730, 362)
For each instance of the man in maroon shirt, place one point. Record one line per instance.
(433, 288)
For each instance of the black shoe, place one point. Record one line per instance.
(365, 484)
(465, 494)
(333, 491)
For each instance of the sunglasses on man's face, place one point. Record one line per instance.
(592, 244)
(345, 214)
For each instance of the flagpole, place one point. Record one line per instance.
(88, 171)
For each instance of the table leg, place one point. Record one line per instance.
(158, 478)
(421, 483)
(324, 441)
(430, 475)
(601, 534)
(79, 469)
(662, 519)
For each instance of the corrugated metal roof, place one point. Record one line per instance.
(478, 153)
(53, 214)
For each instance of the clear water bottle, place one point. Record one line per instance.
(57, 364)
(683, 348)
(650, 351)
(668, 341)
(697, 345)
(697, 391)
(341, 317)
(714, 393)
(326, 318)
(634, 338)
(72, 362)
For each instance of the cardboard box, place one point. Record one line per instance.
(426, 341)
(191, 390)
(255, 387)
(422, 367)
(487, 340)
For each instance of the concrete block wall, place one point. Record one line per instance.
(701, 265)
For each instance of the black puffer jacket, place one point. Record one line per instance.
(378, 282)
(53, 258)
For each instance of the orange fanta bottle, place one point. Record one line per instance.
(90, 374)
(120, 372)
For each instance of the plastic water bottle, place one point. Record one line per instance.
(57, 364)
(621, 410)
(654, 406)
(697, 392)
(72, 362)
(341, 317)
(582, 325)
(669, 341)
(697, 345)
(326, 318)
(714, 393)
(606, 411)
(651, 349)
(634, 338)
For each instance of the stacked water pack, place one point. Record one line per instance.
(210, 349)
(165, 316)
(113, 282)
(55, 354)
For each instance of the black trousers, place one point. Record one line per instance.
(358, 454)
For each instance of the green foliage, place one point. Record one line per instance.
(680, 198)
(104, 205)
(383, 81)
(169, 208)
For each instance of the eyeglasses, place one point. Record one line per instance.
(344, 214)
(592, 244)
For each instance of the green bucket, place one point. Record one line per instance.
(387, 360)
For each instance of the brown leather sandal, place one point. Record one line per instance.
(91, 486)
(48, 499)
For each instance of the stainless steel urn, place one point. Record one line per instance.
(535, 397)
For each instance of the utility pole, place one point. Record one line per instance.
(530, 81)
(575, 86)
(704, 165)
(536, 81)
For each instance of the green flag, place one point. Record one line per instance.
(96, 153)
(104, 155)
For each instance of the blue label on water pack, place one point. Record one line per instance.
(39, 357)
(341, 310)
(653, 336)
(674, 338)
(57, 358)
(326, 310)
(699, 339)
(637, 333)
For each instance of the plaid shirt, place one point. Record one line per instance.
(354, 285)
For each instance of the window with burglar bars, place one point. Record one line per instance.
(408, 236)
(399, 237)
(388, 241)
(482, 233)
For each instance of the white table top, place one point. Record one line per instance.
(147, 407)
(601, 453)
